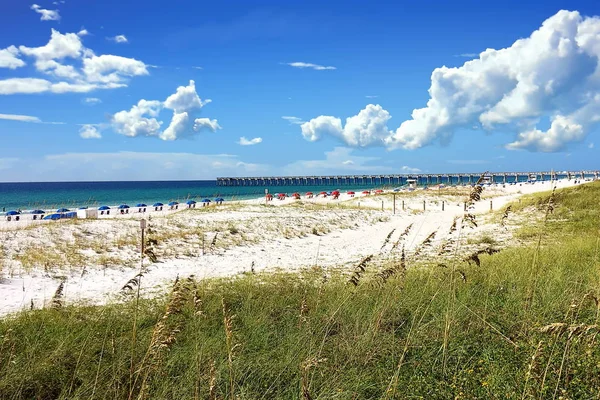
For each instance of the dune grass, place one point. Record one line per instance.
(521, 325)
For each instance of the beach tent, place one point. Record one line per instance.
(174, 205)
(191, 204)
(11, 214)
(141, 207)
(104, 210)
(62, 210)
(37, 214)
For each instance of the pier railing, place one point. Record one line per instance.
(403, 179)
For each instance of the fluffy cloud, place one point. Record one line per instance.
(210, 124)
(249, 142)
(367, 128)
(46, 15)
(70, 66)
(9, 59)
(119, 39)
(90, 132)
(141, 119)
(553, 73)
(300, 64)
(184, 99)
(112, 69)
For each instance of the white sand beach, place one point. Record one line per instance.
(96, 257)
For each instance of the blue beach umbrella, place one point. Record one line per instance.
(173, 203)
(141, 205)
(37, 212)
(190, 202)
(83, 208)
(13, 213)
(158, 205)
(103, 208)
(123, 207)
(62, 210)
(219, 199)
(206, 200)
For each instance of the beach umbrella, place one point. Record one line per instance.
(158, 205)
(62, 210)
(335, 192)
(309, 193)
(351, 192)
(190, 202)
(83, 208)
(141, 205)
(219, 199)
(206, 200)
(102, 208)
(323, 193)
(123, 207)
(37, 212)
(13, 213)
(173, 203)
(379, 191)
(366, 192)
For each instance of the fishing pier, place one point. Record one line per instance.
(404, 179)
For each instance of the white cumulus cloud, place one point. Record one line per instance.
(68, 66)
(142, 119)
(89, 132)
(554, 73)
(300, 64)
(210, 124)
(46, 15)
(9, 58)
(249, 142)
(367, 128)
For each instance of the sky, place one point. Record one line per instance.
(117, 90)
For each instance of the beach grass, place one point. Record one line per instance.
(521, 323)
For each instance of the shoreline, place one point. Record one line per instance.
(288, 236)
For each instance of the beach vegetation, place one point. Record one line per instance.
(513, 322)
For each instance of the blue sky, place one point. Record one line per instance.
(70, 106)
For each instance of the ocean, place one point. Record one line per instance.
(50, 195)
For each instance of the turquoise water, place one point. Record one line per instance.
(50, 195)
